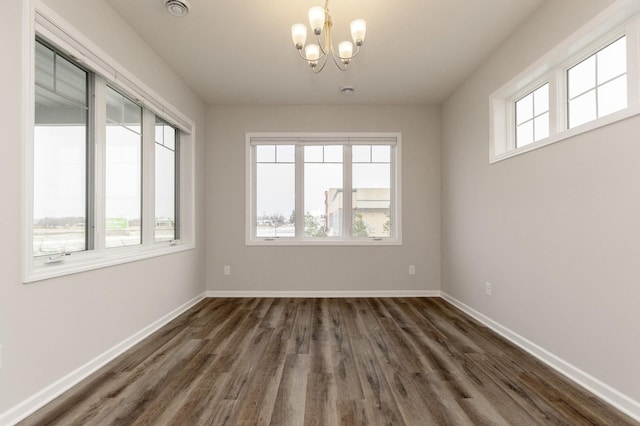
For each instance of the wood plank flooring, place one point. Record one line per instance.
(410, 361)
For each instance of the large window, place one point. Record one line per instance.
(587, 81)
(323, 189)
(103, 175)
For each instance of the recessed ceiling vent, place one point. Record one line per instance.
(177, 7)
(347, 90)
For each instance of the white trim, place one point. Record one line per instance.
(38, 400)
(614, 397)
(325, 294)
(28, 118)
(88, 261)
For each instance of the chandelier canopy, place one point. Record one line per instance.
(316, 54)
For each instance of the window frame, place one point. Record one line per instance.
(620, 19)
(42, 23)
(305, 139)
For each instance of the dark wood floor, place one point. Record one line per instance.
(371, 361)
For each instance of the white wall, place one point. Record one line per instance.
(323, 268)
(50, 328)
(555, 230)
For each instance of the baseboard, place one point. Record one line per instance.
(619, 400)
(46, 395)
(326, 294)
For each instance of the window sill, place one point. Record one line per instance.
(320, 243)
(88, 261)
(569, 133)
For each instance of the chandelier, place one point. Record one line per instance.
(317, 53)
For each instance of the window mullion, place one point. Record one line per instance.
(347, 195)
(148, 177)
(100, 120)
(558, 102)
(299, 192)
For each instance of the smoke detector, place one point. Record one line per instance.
(177, 7)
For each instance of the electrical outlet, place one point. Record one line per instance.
(227, 270)
(487, 289)
(412, 269)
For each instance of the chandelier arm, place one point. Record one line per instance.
(324, 49)
(316, 69)
(338, 61)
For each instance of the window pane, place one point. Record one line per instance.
(541, 126)
(582, 109)
(612, 96)
(165, 134)
(123, 169)
(60, 167)
(275, 192)
(115, 107)
(361, 153)
(541, 100)
(612, 60)
(44, 66)
(323, 192)
(524, 134)
(169, 136)
(582, 77)
(333, 154)
(371, 199)
(381, 153)
(132, 114)
(266, 153)
(524, 109)
(165, 183)
(285, 153)
(313, 154)
(71, 81)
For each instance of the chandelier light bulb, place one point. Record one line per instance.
(358, 31)
(299, 35)
(316, 19)
(312, 53)
(345, 50)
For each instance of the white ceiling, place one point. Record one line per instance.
(240, 51)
